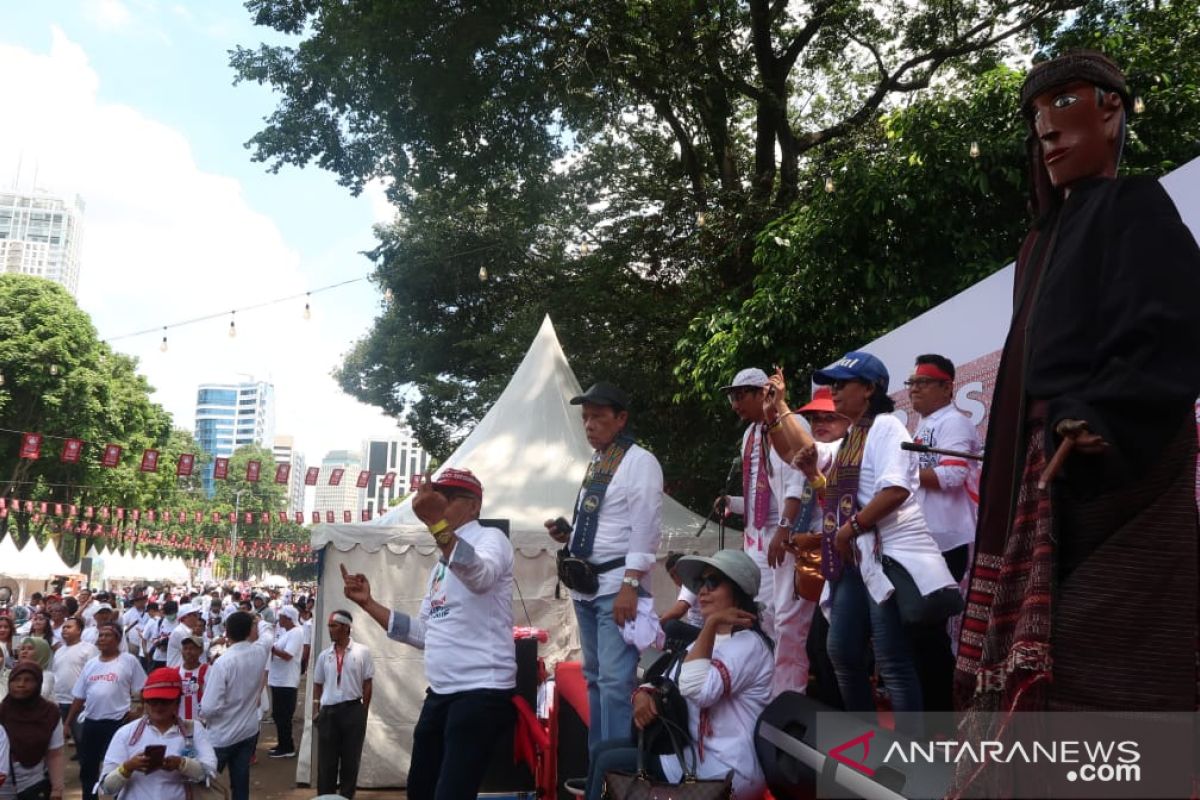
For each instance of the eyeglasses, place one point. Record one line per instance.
(920, 383)
(710, 581)
(160, 701)
(737, 394)
(823, 419)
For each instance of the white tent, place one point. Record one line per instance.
(530, 453)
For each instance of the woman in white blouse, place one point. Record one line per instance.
(725, 679)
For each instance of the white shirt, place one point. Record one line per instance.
(465, 624)
(630, 523)
(949, 511)
(230, 704)
(4, 752)
(68, 663)
(357, 667)
(693, 615)
(282, 672)
(175, 645)
(131, 622)
(23, 777)
(160, 784)
(734, 686)
(192, 681)
(308, 630)
(106, 686)
(903, 533)
(157, 629)
(784, 481)
(90, 635)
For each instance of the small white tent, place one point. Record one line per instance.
(530, 453)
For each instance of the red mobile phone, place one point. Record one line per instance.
(156, 753)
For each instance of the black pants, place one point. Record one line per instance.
(931, 647)
(453, 742)
(341, 730)
(97, 734)
(283, 709)
(822, 680)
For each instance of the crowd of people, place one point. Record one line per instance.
(156, 688)
(859, 535)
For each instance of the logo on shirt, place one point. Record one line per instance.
(438, 608)
(591, 503)
(925, 436)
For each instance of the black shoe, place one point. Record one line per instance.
(576, 786)
(281, 754)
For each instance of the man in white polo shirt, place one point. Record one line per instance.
(465, 629)
(343, 680)
(283, 678)
(949, 509)
(229, 708)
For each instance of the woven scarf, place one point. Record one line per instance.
(595, 485)
(841, 498)
(762, 482)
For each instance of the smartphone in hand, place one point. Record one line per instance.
(155, 753)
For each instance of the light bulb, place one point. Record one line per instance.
(1139, 105)
(163, 347)
(974, 149)
(584, 248)
(483, 273)
(232, 329)
(53, 369)
(388, 297)
(307, 312)
(1, 380)
(700, 219)
(829, 187)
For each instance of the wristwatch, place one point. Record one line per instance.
(634, 582)
(784, 522)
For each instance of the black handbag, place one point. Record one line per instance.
(915, 608)
(672, 707)
(640, 786)
(581, 576)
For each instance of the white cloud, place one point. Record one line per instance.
(109, 15)
(165, 241)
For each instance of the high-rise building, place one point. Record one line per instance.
(398, 453)
(286, 453)
(41, 234)
(346, 496)
(232, 415)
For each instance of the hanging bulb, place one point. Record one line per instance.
(232, 325)
(162, 348)
(388, 297)
(700, 219)
(483, 273)
(307, 310)
(1139, 105)
(974, 149)
(829, 187)
(1, 380)
(53, 369)
(584, 248)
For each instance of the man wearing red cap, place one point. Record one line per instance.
(465, 629)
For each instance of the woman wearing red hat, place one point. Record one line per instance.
(158, 756)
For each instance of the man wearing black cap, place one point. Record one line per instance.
(1094, 401)
(616, 531)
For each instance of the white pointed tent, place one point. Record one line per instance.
(530, 453)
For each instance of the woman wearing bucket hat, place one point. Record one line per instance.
(159, 756)
(725, 679)
(870, 515)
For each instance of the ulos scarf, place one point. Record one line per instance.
(595, 485)
(758, 496)
(29, 723)
(841, 496)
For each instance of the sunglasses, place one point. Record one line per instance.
(824, 419)
(921, 383)
(710, 582)
(838, 385)
(161, 701)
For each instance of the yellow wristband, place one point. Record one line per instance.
(126, 774)
(439, 526)
(443, 538)
(818, 482)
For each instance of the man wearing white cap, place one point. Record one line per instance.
(465, 629)
(189, 616)
(283, 677)
(770, 500)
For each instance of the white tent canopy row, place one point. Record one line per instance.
(31, 562)
(113, 566)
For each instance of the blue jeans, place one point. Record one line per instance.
(855, 617)
(610, 668)
(618, 756)
(237, 757)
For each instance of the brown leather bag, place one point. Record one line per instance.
(640, 786)
(808, 580)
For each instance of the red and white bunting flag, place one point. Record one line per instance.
(247, 518)
(216, 516)
(316, 517)
(185, 464)
(265, 518)
(347, 516)
(233, 516)
(253, 470)
(3, 512)
(28, 506)
(151, 514)
(366, 515)
(364, 478)
(134, 514)
(105, 513)
(58, 509)
(414, 481)
(311, 475)
(112, 456)
(299, 517)
(31, 446)
(335, 476)
(389, 480)
(72, 450)
(329, 517)
(282, 472)
(199, 517)
(220, 468)
(43, 507)
(89, 512)
(120, 513)
(149, 461)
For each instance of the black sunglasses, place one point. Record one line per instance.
(710, 582)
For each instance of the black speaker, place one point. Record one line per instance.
(797, 766)
(572, 750)
(502, 774)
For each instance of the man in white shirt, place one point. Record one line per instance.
(618, 514)
(283, 678)
(230, 705)
(947, 504)
(103, 615)
(132, 621)
(104, 687)
(770, 501)
(68, 663)
(158, 634)
(343, 676)
(465, 629)
(187, 624)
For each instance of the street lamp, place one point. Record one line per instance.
(237, 507)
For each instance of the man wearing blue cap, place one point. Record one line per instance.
(770, 501)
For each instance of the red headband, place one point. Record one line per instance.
(931, 371)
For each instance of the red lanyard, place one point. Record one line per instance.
(341, 657)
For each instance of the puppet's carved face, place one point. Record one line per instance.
(1078, 125)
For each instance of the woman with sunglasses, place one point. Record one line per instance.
(725, 679)
(159, 756)
(869, 513)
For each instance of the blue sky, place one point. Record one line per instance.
(131, 104)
